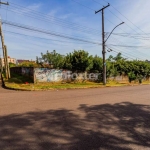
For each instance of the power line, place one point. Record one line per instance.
(33, 29)
(121, 20)
(83, 5)
(58, 21)
(118, 17)
(30, 9)
(122, 30)
(85, 30)
(132, 36)
(126, 18)
(131, 46)
(137, 52)
(123, 53)
(42, 38)
(48, 15)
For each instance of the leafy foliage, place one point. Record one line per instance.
(81, 61)
(28, 64)
(78, 61)
(53, 59)
(97, 64)
(12, 65)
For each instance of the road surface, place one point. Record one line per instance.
(86, 119)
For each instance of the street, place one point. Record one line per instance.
(85, 119)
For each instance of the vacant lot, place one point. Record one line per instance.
(84, 119)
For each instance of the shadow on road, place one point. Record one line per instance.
(122, 126)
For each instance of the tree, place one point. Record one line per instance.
(97, 64)
(119, 57)
(28, 64)
(12, 65)
(53, 59)
(79, 61)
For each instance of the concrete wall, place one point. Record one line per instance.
(49, 75)
(27, 71)
(120, 78)
(23, 71)
(16, 70)
(56, 75)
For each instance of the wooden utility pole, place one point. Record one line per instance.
(7, 63)
(1, 64)
(103, 43)
(3, 47)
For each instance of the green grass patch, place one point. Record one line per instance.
(25, 83)
(50, 86)
(19, 79)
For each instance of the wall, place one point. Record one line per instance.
(16, 70)
(27, 71)
(49, 75)
(120, 79)
(23, 71)
(55, 75)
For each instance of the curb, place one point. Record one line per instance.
(16, 89)
(107, 86)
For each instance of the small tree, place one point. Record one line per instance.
(78, 61)
(53, 59)
(131, 76)
(28, 64)
(12, 65)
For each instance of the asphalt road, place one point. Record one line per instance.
(88, 119)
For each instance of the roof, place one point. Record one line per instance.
(21, 61)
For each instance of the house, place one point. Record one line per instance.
(10, 60)
(19, 61)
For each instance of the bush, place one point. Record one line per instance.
(131, 76)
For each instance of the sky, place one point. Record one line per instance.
(68, 25)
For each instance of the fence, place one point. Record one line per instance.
(57, 75)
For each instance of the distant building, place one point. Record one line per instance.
(19, 61)
(10, 60)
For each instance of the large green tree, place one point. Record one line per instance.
(79, 61)
(53, 58)
(97, 64)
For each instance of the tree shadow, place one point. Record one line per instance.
(122, 126)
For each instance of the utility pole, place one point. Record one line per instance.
(7, 63)
(3, 46)
(103, 43)
(1, 64)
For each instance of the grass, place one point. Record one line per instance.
(50, 86)
(25, 83)
(20, 79)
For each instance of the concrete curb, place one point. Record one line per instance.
(16, 89)
(107, 86)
